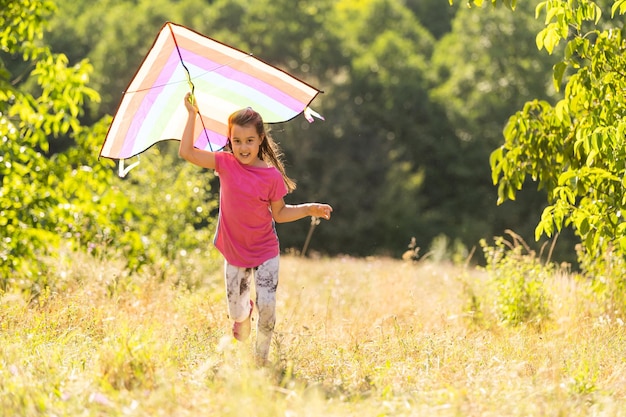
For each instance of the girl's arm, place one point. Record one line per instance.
(284, 213)
(202, 158)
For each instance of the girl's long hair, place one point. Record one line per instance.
(269, 151)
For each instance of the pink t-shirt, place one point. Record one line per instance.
(245, 234)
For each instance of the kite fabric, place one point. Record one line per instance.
(223, 79)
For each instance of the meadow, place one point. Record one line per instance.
(354, 337)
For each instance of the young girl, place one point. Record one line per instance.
(253, 183)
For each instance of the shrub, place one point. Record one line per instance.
(517, 278)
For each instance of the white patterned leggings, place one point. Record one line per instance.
(238, 296)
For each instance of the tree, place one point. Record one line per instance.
(114, 36)
(377, 112)
(575, 149)
(434, 15)
(70, 197)
(484, 70)
(35, 211)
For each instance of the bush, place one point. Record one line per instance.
(177, 209)
(517, 278)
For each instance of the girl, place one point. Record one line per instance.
(253, 183)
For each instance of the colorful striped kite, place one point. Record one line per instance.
(223, 79)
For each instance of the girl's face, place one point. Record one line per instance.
(245, 143)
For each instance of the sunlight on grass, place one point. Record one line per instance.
(375, 337)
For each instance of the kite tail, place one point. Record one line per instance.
(123, 171)
(309, 113)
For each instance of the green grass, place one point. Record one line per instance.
(354, 337)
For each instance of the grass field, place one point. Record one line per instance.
(354, 337)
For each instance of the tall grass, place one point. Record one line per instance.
(354, 337)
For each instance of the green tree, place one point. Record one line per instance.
(575, 149)
(376, 109)
(434, 15)
(114, 35)
(177, 208)
(485, 69)
(71, 197)
(508, 3)
(38, 195)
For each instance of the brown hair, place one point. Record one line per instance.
(269, 151)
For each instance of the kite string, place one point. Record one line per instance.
(191, 85)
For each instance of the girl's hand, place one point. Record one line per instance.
(191, 107)
(320, 210)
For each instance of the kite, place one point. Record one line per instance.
(222, 80)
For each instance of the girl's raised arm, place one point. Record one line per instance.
(202, 158)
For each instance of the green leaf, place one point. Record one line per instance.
(539, 8)
(546, 224)
(591, 157)
(557, 76)
(583, 228)
(551, 39)
(619, 4)
(551, 12)
(598, 13)
(540, 38)
(566, 177)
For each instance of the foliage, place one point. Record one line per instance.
(100, 31)
(479, 84)
(434, 15)
(479, 3)
(71, 197)
(96, 213)
(473, 93)
(518, 278)
(32, 208)
(180, 221)
(376, 113)
(22, 26)
(575, 148)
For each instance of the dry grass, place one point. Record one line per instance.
(366, 337)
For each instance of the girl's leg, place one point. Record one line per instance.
(237, 291)
(266, 279)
